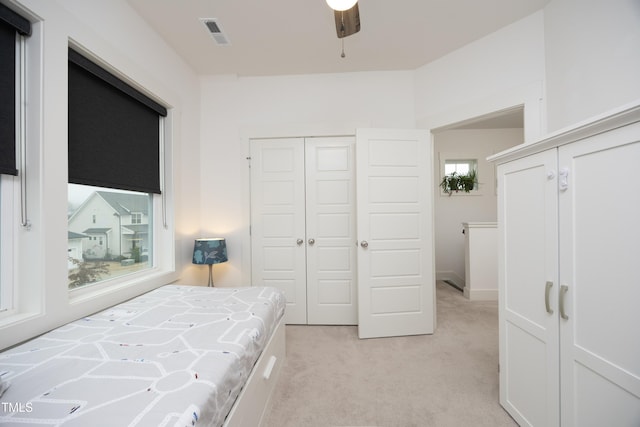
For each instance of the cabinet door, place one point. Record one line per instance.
(396, 278)
(599, 239)
(528, 261)
(278, 248)
(331, 231)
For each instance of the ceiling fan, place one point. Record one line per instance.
(347, 18)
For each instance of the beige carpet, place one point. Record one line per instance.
(450, 378)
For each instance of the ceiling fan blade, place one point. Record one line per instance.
(347, 22)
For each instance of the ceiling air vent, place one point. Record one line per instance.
(213, 27)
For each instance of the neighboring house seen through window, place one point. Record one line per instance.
(108, 243)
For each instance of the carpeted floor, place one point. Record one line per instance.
(450, 378)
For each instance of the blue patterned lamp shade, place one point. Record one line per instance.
(210, 251)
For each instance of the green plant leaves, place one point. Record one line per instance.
(455, 182)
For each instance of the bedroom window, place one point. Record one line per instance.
(467, 168)
(14, 31)
(115, 140)
(460, 166)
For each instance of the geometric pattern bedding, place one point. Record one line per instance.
(175, 356)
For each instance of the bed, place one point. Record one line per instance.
(176, 356)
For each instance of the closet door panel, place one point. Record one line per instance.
(528, 253)
(600, 345)
(331, 222)
(278, 221)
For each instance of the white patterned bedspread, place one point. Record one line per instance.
(176, 356)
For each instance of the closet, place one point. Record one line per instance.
(569, 283)
(304, 225)
(344, 226)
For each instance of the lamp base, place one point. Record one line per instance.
(210, 284)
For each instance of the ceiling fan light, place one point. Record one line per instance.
(341, 5)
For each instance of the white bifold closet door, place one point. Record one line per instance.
(303, 226)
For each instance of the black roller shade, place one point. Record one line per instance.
(11, 24)
(114, 131)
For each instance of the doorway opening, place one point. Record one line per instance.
(472, 139)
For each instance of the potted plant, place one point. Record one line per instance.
(456, 182)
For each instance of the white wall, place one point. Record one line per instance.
(574, 60)
(451, 211)
(235, 109)
(113, 32)
(592, 58)
(500, 71)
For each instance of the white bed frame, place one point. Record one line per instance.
(253, 404)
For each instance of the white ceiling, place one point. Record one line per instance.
(280, 37)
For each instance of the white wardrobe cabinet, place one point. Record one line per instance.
(569, 282)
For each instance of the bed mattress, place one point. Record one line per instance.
(178, 355)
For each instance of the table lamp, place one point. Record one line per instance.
(210, 251)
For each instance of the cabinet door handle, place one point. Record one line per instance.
(547, 291)
(299, 242)
(563, 290)
(312, 241)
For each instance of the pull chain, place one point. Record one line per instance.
(342, 30)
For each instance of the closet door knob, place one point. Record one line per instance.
(312, 241)
(364, 244)
(299, 242)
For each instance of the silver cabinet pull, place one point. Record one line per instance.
(364, 244)
(312, 241)
(299, 242)
(563, 291)
(547, 291)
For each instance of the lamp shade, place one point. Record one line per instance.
(341, 5)
(210, 251)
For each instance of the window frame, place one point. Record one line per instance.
(8, 220)
(12, 195)
(160, 263)
(136, 218)
(444, 157)
(158, 228)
